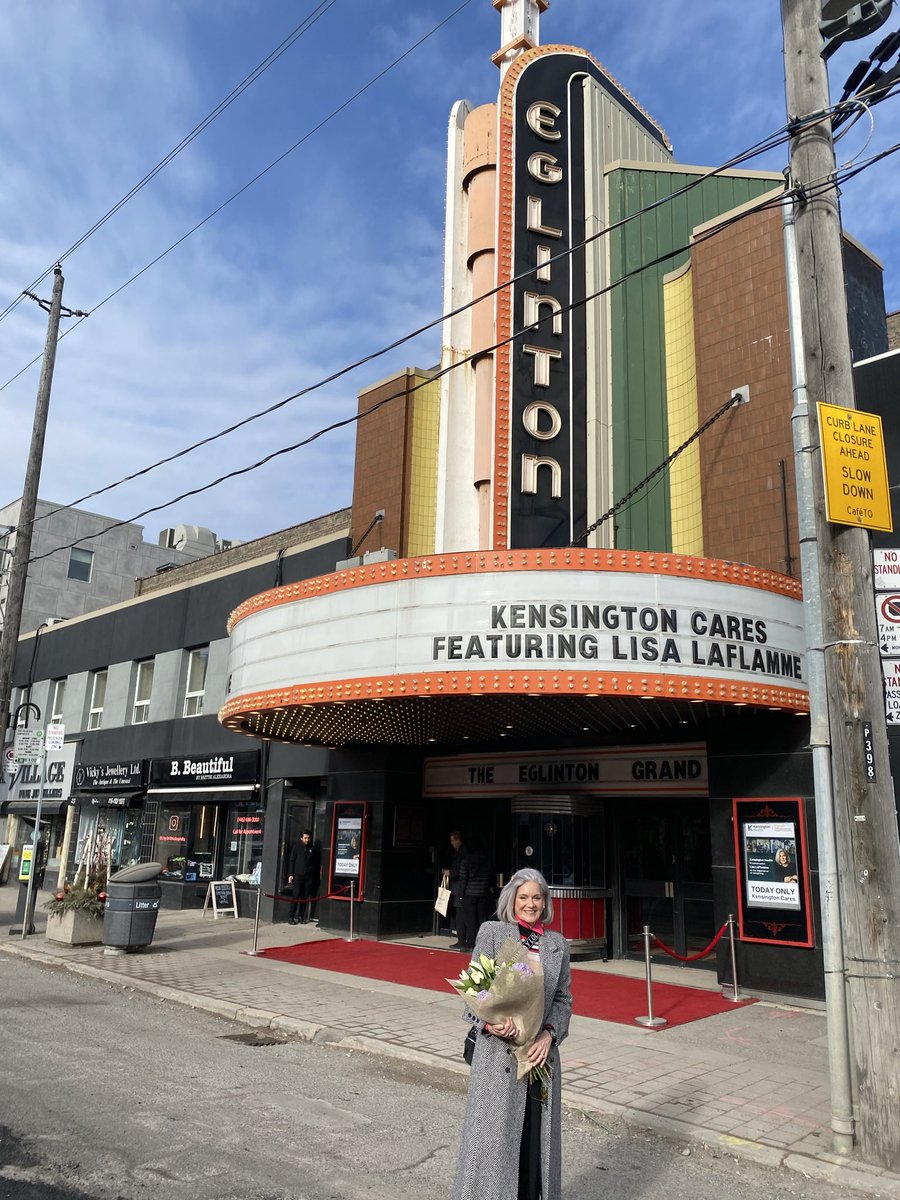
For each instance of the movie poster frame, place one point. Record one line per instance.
(335, 880)
(772, 808)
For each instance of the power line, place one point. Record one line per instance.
(811, 189)
(713, 231)
(260, 174)
(305, 25)
(778, 138)
(814, 188)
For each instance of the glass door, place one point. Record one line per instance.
(667, 874)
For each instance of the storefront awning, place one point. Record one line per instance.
(28, 808)
(221, 795)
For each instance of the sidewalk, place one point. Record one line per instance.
(752, 1081)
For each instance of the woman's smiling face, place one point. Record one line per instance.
(529, 903)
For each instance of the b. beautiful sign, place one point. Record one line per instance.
(204, 770)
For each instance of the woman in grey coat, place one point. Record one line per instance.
(511, 1142)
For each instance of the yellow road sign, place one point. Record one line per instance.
(855, 467)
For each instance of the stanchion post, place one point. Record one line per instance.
(733, 993)
(351, 938)
(254, 952)
(649, 1020)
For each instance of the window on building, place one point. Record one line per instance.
(196, 682)
(80, 564)
(57, 699)
(143, 686)
(98, 696)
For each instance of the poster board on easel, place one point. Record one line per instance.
(221, 896)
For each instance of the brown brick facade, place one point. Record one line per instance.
(742, 338)
(384, 463)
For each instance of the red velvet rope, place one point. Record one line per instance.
(308, 899)
(691, 957)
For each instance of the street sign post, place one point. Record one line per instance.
(28, 747)
(855, 468)
(55, 736)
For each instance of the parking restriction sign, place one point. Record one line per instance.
(889, 624)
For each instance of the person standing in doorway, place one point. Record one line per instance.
(302, 877)
(475, 882)
(457, 859)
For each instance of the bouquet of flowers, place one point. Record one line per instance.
(508, 986)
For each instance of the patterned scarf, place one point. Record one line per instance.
(530, 936)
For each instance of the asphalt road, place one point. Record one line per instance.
(107, 1094)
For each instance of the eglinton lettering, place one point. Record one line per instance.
(542, 310)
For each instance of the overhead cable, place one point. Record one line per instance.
(256, 178)
(305, 25)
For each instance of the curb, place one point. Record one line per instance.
(850, 1174)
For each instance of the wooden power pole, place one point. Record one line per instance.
(868, 846)
(18, 572)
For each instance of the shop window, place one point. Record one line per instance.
(81, 563)
(57, 698)
(120, 826)
(98, 698)
(143, 686)
(196, 682)
(173, 830)
(243, 839)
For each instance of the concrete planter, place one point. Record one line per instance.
(77, 927)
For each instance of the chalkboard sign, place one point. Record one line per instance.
(221, 895)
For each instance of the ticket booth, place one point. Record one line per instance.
(564, 837)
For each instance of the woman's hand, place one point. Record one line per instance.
(540, 1048)
(503, 1029)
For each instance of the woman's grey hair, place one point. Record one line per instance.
(506, 902)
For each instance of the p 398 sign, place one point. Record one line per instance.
(868, 751)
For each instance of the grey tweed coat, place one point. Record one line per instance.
(488, 1167)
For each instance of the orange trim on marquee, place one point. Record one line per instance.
(476, 562)
(609, 684)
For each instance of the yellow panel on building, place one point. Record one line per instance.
(423, 467)
(681, 402)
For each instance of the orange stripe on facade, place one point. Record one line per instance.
(608, 684)
(499, 561)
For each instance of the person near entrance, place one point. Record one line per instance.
(303, 871)
(475, 889)
(453, 872)
(505, 1152)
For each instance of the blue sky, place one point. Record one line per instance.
(336, 252)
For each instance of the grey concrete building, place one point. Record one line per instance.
(68, 581)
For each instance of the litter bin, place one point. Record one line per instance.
(133, 897)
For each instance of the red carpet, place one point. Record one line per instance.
(603, 996)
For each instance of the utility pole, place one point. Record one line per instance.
(19, 570)
(865, 820)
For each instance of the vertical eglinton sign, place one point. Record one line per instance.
(855, 468)
(540, 475)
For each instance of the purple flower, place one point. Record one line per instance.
(482, 995)
(522, 968)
